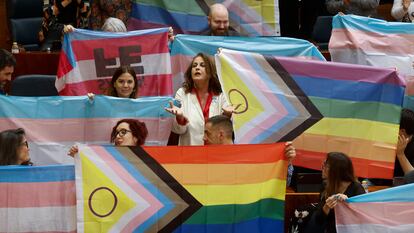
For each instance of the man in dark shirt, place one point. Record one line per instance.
(218, 22)
(7, 64)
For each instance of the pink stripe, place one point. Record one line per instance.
(155, 205)
(381, 213)
(179, 63)
(48, 231)
(153, 85)
(149, 44)
(340, 71)
(395, 44)
(40, 194)
(82, 130)
(271, 119)
(64, 65)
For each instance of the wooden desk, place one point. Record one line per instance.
(36, 63)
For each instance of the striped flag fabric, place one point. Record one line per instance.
(185, 47)
(388, 210)
(252, 18)
(322, 106)
(54, 124)
(375, 42)
(37, 199)
(89, 59)
(223, 189)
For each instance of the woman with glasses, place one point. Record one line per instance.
(340, 183)
(14, 149)
(126, 132)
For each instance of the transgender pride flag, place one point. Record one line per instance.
(89, 59)
(375, 42)
(37, 199)
(385, 211)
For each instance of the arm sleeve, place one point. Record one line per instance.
(177, 128)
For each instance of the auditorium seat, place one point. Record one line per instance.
(322, 31)
(34, 85)
(25, 19)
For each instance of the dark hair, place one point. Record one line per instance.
(10, 141)
(6, 59)
(223, 122)
(340, 170)
(138, 130)
(213, 84)
(407, 121)
(118, 72)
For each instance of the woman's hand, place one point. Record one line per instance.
(403, 140)
(68, 28)
(73, 151)
(332, 201)
(181, 119)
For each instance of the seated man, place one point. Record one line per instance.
(218, 130)
(218, 22)
(7, 64)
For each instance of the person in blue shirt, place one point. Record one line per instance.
(7, 64)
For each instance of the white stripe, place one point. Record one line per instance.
(38, 219)
(374, 228)
(154, 64)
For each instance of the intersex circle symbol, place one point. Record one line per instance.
(238, 100)
(90, 202)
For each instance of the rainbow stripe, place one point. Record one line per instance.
(388, 210)
(37, 199)
(323, 106)
(184, 189)
(374, 42)
(239, 192)
(253, 18)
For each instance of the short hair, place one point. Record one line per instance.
(407, 121)
(213, 84)
(118, 72)
(114, 25)
(10, 141)
(138, 129)
(222, 122)
(6, 59)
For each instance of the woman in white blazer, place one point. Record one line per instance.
(201, 97)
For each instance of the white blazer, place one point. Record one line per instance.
(193, 132)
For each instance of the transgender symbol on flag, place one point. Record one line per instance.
(269, 105)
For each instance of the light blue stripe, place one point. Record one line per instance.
(190, 45)
(82, 34)
(63, 107)
(153, 14)
(403, 193)
(27, 174)
(167, 203)
(292, 112)
(371, 25)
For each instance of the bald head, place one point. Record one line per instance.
(218, 20)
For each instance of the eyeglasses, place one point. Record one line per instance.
(25, 143)
(122, 132)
